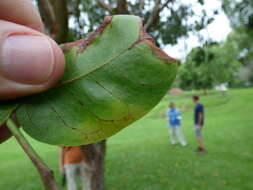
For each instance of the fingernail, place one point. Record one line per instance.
(27, 59)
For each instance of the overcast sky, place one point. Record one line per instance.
(217, 30)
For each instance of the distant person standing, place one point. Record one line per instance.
(72, 164)
(199, 123)
(174, 117)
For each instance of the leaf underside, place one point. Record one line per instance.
(110, 81)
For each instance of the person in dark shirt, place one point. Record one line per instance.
(199, 123)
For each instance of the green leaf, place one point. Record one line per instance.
(112, 78)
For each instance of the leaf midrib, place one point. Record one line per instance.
(104, 64)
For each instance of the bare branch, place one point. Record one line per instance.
(104, 6)
(154, 15)
(158, 7)
(45, 172)
(165, 4)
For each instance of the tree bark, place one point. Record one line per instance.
(94, 162)
(122, 7)
(48, 17)
(61, 15)
(55, 16)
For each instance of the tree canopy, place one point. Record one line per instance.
(165, 20)
(210, 65)
(240, 14)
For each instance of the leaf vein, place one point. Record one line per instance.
(104, 64)
(60, 117)
(94, 115)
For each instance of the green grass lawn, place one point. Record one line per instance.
(141, 157)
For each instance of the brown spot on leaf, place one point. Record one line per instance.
(67, 46)
(143, 37)
(83, 43)
(125, 118)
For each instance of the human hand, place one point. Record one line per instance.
(30, 61)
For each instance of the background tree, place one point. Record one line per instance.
(240, 14)
(210, 65)
(194, 73)
(165, 20)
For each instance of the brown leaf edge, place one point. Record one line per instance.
(144, 36)
(82, 44)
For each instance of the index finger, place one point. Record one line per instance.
(21, 12)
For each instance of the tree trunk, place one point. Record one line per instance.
(122, 7)
(48, 17)
(94, 156)
(54, 14)
(60, 8)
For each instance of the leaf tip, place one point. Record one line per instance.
(144, 36)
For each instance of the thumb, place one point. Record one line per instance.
(30, 61)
